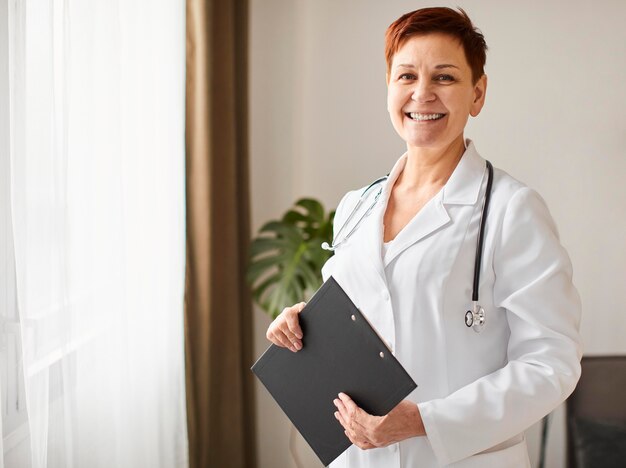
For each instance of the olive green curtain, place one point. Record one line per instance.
(218, 313)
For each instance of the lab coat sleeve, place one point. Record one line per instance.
(533, 286)
(341, 214)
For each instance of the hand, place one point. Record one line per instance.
(367, 431)
(285, 330)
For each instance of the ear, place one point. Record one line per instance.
(480, 91)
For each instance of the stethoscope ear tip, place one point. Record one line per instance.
(326, 246)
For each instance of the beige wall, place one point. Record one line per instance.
(555, 118)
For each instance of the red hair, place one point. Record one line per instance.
(439, 20)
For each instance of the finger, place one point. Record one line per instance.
(359, 424)
(287, 337)
(344, 412)
(356, 436)
(279, 333)
(293, 322)
(289, 324)
(350, 406)
(358, 417)
(362, 444)
(341, 420)
(348, 420)
(352, 435)
(345, 398)
(293, 339)
(279, 339)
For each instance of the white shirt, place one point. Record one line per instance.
(385, 248)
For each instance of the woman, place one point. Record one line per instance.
(410, 264)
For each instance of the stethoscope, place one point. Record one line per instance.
(474, 318)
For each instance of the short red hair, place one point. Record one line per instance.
(439, 20)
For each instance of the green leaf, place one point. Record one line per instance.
(282, 230)
(286, 256)
(313, 207)
(263, 285)
(263, 245)
(294, 217)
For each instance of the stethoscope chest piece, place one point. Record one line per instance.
(475, 318)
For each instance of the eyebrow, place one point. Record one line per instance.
(437, 67)
(446, 65)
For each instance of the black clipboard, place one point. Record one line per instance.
(341, 353)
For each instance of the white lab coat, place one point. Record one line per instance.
(477, 392)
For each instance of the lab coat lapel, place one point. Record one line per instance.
(462, 188)
(428, 220)
(371, 237)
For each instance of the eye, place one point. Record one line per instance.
(444, 78)
(407, 76)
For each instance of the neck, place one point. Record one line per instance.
(430, 166)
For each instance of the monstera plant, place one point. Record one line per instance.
(286, 256)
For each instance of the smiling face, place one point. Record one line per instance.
(430, 93)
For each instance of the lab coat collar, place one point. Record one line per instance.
(462, 188)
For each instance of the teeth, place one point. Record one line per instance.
(419, 117)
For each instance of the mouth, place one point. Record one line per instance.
(423, 117)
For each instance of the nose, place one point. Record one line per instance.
(423, 92)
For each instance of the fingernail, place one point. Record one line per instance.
(336, 414)
(299, 336)
(297, 345)
(292, 349)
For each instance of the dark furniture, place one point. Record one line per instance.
(596, 415)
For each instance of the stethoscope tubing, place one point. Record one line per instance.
(334, 245)
(481, 232)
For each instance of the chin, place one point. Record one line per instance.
(430, 143)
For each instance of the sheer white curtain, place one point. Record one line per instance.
(93, 233)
